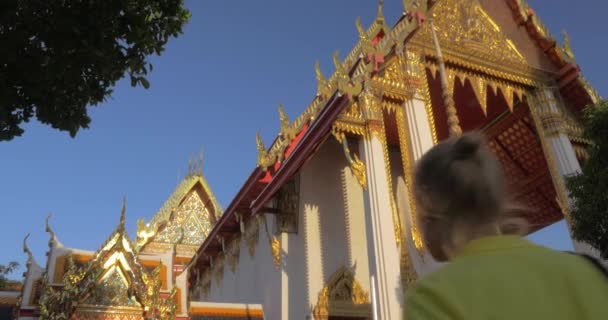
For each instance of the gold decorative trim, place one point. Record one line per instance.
(343, 296)
(558, 181)
(357, 166)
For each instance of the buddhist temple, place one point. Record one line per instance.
(142, 278)
(325, 225)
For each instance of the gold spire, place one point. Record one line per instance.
(448, 100)
(379, 15)
(200, 163)
(123, 212)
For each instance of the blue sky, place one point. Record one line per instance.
(214, 87)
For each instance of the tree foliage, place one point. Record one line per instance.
(589, 190)
(57, 58)
(5, 270)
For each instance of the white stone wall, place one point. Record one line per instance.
(255, 280)
(331, 234)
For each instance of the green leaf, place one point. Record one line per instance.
(144, 82)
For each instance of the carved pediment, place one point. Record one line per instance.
(466, 30)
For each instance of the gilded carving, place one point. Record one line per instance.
(183, 209)
(357, 166)
(113, 279)
(465, 27)
(342, 296)
(562, 195)
(408, 170)
(322, 84)
(448, 100)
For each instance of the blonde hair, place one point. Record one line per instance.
(461, 180)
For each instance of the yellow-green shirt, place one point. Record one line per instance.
(507, 277)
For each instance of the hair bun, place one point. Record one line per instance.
(467, 145)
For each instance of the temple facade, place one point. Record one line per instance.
(325, 225)
(124, 279)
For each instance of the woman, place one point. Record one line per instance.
(463, 212)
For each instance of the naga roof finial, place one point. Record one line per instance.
(360, 28)
(567, 47)
(260, 144)
(339, 67)
(321, 82)
(26, 249)
(283, 118)
(47, 228)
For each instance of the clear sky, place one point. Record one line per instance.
(215, 87)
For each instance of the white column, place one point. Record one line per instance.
(284, 277)
(420, 132)
(562, 152)
(384, 264)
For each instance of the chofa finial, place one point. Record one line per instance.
(26, 249)
(360, 28)
(321, 82)
(47, 228)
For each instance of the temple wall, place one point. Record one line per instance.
(502, 14)
(255, 280)
(325, 184)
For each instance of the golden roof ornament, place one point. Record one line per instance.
(567, 48)
(26, 249)
(47, 228)
(360, 29)
(448, 100)
(123, 212)
(340, 71)
(380, 15)
(200, 163)
(321, 81)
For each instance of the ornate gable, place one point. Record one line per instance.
(464, 28)
(113, 280)
(185, 218)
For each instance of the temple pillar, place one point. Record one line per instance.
(383, 254)
(419, 125)
(561, 157)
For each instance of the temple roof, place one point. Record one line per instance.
(185, 217)
(298, 141)
(112, 278)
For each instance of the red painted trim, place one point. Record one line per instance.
(305, 146)
(302, 151)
